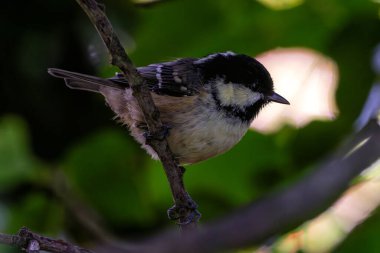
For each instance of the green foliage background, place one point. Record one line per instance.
(45, 127)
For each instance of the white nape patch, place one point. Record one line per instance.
(212, 56)
(233, 94)
(158, 75)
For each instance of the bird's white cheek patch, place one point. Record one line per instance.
(232, 94)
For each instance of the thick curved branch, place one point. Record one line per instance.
(285, 210)
(119, 58)
(254, 223)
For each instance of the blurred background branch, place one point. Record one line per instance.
(321, 55)
(284, 210)
(270, 216)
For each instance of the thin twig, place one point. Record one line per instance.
(33, 243)
(185, 208)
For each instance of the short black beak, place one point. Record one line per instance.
(277, 98)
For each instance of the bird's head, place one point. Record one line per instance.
(240, 85)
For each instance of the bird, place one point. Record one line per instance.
(207, 103)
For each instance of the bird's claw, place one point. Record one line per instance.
(184, 213)
(159, 135)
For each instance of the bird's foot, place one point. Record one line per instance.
(157, 136)
(184, 213)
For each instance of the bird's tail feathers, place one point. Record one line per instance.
(83, 82)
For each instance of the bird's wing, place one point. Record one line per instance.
(177, 78)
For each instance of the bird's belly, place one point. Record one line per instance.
(204, 135)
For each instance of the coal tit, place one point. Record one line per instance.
(207, 103)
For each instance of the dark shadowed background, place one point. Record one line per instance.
(46, 127)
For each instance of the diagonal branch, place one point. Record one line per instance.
(185, 209)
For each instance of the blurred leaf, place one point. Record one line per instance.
(8, 249)
(244, 26)
(38, 212)
(251, 168)
(17, 166)
(108, 170)
(16, 162)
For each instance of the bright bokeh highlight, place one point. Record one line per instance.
(281, 4)
(307, 79)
